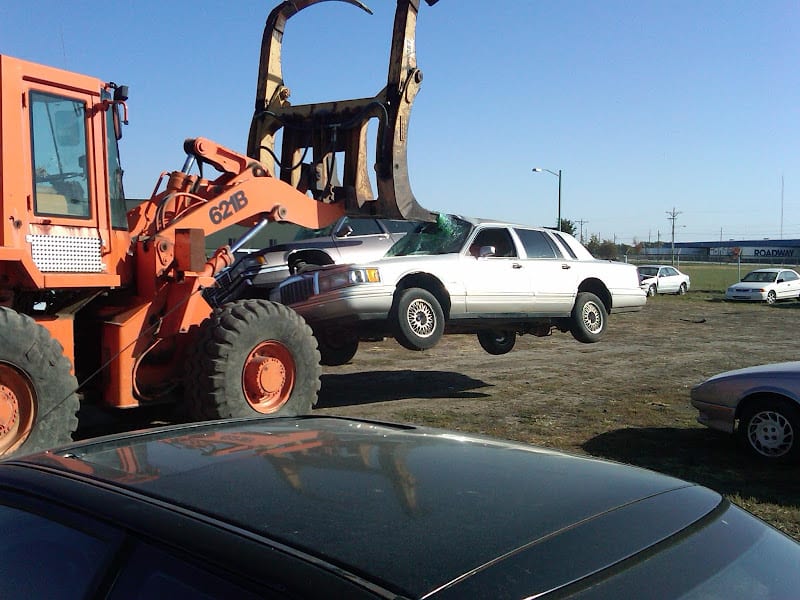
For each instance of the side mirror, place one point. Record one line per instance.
(344, 231)
(487, 251)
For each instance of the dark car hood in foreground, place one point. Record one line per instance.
(411, 509)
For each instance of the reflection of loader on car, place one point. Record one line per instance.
(97, 300)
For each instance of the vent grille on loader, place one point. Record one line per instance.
(66, 254)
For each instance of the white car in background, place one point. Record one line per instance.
(461, 275)
(663, 279)
(766, 285)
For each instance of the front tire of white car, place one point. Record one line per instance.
(772, 297)
(651, 291)
(418, 319)
(682, 290)
(589, 318)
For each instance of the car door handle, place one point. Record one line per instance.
(565, 266)
(516, 266)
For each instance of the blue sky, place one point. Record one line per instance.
(645, 106)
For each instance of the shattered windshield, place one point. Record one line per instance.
(447, 235)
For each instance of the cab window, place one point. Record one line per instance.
(58, 136)
(116, 196)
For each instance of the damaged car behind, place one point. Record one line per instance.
(464, 275)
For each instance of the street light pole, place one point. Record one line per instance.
(539, 170)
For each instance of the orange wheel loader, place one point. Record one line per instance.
(105, 306)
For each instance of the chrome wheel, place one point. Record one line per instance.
(421, 318)
(592, 317)
(771, 297)
(770, 434)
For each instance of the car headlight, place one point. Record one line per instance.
(341, 279)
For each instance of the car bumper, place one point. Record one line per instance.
(357, 303)
(714, 416)
(753, 296)
(628, 300)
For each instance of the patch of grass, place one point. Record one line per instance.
(710, 277)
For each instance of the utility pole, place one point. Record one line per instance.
(582, 223)
(673, 216)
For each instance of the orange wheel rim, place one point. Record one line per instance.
(268, 377)
(17, 408)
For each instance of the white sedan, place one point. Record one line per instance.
(663, 279)
(766, 285)
(462, 275)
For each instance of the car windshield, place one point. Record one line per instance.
(648, 271)
(760, 276)
(447, 235)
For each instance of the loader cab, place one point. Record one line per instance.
(59, 148)
(63, 222)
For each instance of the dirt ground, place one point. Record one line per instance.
(625, 398)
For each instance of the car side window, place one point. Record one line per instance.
(153, 573)
(498, 238)
(43, 558)
(397, 226)
(788, 276)
(364, 227)
(537, 244)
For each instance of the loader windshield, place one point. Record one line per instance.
(58, 136)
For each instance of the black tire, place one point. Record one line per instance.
(772, 297)
(497, 341)
(682, 290)
(417, 319)
(253, 357)
(770, 430)
(589, 318)
(651, 291)
(37, 386)
(336, 347)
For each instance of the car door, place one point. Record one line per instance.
(495, 281)
(552, 276)
(360, 240)
(789, 286)
(668, 280)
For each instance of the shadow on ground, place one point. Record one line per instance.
(352, 389)
(709, 458)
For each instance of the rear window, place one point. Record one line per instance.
(735, 556)
(537, 244)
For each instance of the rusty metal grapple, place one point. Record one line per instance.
(338, 130)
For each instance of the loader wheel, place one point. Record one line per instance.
(38, 399)
(253, 357)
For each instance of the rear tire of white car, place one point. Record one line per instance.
(589, 318)
(497, 341)
(770, 428)
(418, 319)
